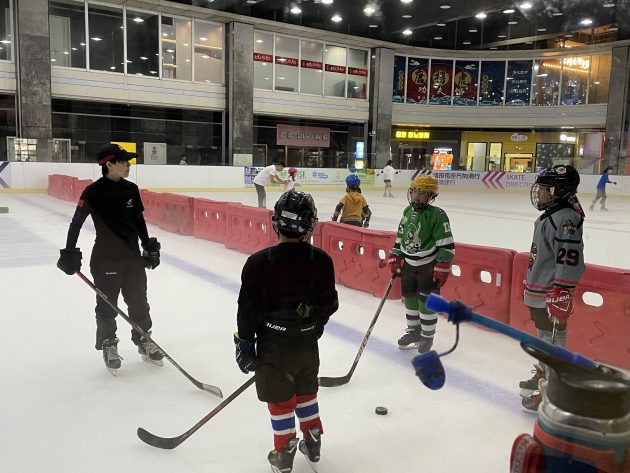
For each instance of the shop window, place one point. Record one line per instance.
(441, 82)
(357, 73)
(550, 154)
(263, 60)
(494, 155)
(6, 30)
(574, 79)
(67, 33)
(142, 43)
(286, 63)
(417, 80)
(176, 48)
(311, 67)
(518, 83)
(466, 81)
(600, 78)
(335, 71)
(106, 38)
(546, 82)
(476, 156)
(398, 92)
(491, 84)
(208, 48)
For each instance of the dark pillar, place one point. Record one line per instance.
(618, 113)
(380, 121)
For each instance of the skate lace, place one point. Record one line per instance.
(150, 348)
(112, 353)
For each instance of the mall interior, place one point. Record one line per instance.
(478, 86)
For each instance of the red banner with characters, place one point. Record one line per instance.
(287, 61)
(357, 71)
(312, 64)
(441, 82)
(334, 68)
(261, 57)
(466, 79)
(417, 80)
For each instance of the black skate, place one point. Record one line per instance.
(110, 355)
(530, 403)
(150, 352)
(425, 344)
(282, 461)
(529, 386)
(410, 340)
(311, 445)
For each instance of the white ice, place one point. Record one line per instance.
(61, 411)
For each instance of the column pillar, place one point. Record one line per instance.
(618, 113)
(380, 120)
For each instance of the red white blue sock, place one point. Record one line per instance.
(282, 422)
(307, 411)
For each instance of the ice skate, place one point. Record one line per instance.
(312, 445)
(409, 341)
(110, 355)
(591, 207)
(604, 209)
(530, 403)
(150, 352)
(425, 344)
(529, 386)
(282, 461)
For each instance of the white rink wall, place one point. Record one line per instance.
(33, 177)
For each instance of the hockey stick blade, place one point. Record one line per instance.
(205, 387)
(327, 382)
(169, 443)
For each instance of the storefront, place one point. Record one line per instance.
(425, 148)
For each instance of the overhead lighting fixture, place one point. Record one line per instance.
(203, 38)
(512, 22)
(327, 2)
(406, 17)
(494, 47)
(586, 22)
(259, 41)
(336, 18)
(437, 38)
(82, 44)
(608, 5)
(525, 6)
(466, 42)
(541, 30)
(509, 11)
(171, 51)
(138, 19)
(297, 11)
(96, 38)
(529, 42)
(112, 68)
(144, 58)
(369, 10)
(501, 36)
(473, 30)
(481, 16)
(406, 1)
(373, 26)
(613, 28)
(557, 13)
(53, 60)
(74, 49)
(445, 7)
(440, 24)
(66, 53)
(251, 2)
(164, 34)
(407, 32)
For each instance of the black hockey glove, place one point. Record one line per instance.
(245, 354)
(151, 253)
(69, 260)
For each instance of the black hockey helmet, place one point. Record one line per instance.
(561, 180)
(294, 215)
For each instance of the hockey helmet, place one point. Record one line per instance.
(561, 180)
(353, 180)
(294, 214)
(423, 183)
(292, 170)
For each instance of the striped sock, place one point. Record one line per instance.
(413, 319)
(428, 323)
(307, 411)
(282, 422)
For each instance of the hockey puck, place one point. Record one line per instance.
(381, 411)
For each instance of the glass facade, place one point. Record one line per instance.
(575, 72)
(600, 78)
(67, 33)
(143, 57)
(263, 60)
(7, 123)
(176, 49)
(208, 47)
(106, 38)
(546, 82)
(335, 71)
(6, 31)
(357, 73)
(311, 67)
(286, 63)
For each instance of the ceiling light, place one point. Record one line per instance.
(437, 38)
(494, 47)
(466, 42)
(407, 32)
(82, 44)
(473, 30)
(112, 68)
(406, 17)
(525, 6)
(144, 58)
(501, 36)
(53, 60)
(512, 22)
(327, 2)
(529, 42)
(164, 34)
(406, 1)
(373, 26)
(203, 38)
(369, 10)
(138, 19)
(481, 16)
(259, 41)
(509, 11)
(445, 7)
(96, 38)
(557, 13)
(296, 11)
(205, 56)
(251, 2)
(586, 22)
(336, 18)
(608, 5)
(542, 29)
(66, 52)
(440, 24)
(613, 28)
(596, 82)
(75, 49)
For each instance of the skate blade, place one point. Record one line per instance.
(146, 359)
(527, 392)
(113, 371)
(412, 346)
(313, 465)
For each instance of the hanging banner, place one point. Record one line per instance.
(441, 82)
(261, 57)
(518, 83)
(466, 79)
(491, 83)
(303, 136)
(398, 93)
(287, 61)
(417, 80)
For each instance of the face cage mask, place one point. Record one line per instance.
(418, 206)
(533, 196)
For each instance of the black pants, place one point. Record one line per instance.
(262, 196)
(541, 319)
(113, 277)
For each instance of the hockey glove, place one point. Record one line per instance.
(366, 224)
(441, 272)
(151, 253)
(69, 260)
(245, 354)
(395, 264)
(559, 304)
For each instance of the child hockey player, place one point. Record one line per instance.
(287, 296)
(556, 264)
(422, 256)
(116, 264)
(290, 182)
(353, 207)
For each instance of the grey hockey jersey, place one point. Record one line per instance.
(556, 258)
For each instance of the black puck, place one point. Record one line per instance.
(381, 411)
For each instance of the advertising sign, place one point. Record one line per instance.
(491, 83)
(303, 136)
(441, 82)
(154, 153)
(466, 80)
(398, 93)
(518, 83)
(417, 80)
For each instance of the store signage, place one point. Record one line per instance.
(518, 83)
(518, 137)
(417, 80)
(357, 71)
(303, 136)
(260, 57)
(312, 64)
(441, 82)
(411, 135)
(287, 61)
(333, 68)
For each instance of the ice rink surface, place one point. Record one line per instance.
(61, 411)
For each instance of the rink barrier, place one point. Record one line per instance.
(211, 219)
(249, 228)
(177, 214)
(61, 187)
(79, 187)
(152, 202)
(599, 332)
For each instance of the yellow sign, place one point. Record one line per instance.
(131, 147)
(411, 135)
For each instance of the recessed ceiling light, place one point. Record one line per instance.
(529, 42)
(406, 17)
(327, 2)
(542, 29)
(509, 11)
(336, 18)
(407, 32)
(406, 1)
(440, 24)
(501, 36)
(296, 10)
(437, 38)
(525, 6)
(494, 47)
(138, 19)
(112, 68)
(557, 13)
(96, 38)
(203, 38)
(473, 30)
(251, 2)
(466, 42)
(512, 22)
(445, 7)
(369, 10)
(608, 5)
(612, 28)
(586, 22)
(373, 26)
(481, 16)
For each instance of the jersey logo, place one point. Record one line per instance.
(412, 243)
(130, 204)
(569, 227)
(533, 253)
(277, 328)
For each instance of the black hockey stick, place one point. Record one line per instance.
(169, 443)
(205, 387)
(332, 382)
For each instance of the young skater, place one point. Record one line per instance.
(353, 207)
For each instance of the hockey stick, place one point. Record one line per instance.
(332, 382)
(205, 387)
(169, 443)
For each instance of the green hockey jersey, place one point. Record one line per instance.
(424, 236)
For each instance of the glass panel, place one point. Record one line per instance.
(398, 92)
(5, 30)
(142, 43)
(287, 60)
(335, 71)
(311, 68)
(357, 73)
(67, 33)
(600, 77)
(417, 80)
(106, 38)
(441, 82)
(176, 48)
(574, 80)
(546, 81)
(466, 80)
(518, 83)
(492, 82)
(495, 157)
(208, 52)
(263, 60)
